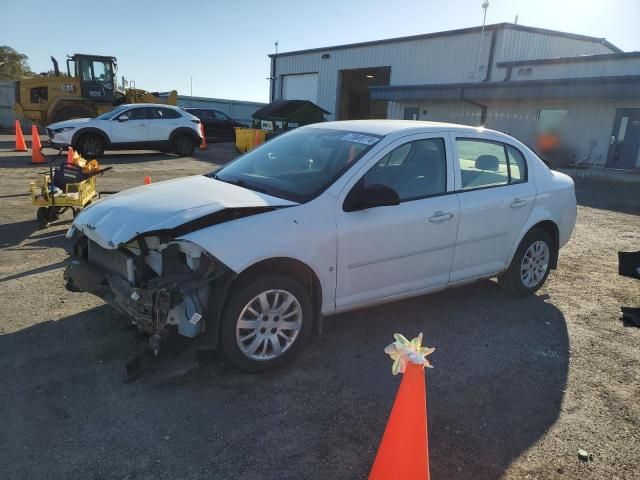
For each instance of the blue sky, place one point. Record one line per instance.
(224, 45)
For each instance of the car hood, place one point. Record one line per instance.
(168, 205)
(76, 122)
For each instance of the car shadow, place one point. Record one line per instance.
(500, 370)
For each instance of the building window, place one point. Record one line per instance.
(39, 94)
(552, 120)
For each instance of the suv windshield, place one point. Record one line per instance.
(298, 165)
(112, 113)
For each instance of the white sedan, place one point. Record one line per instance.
(326, 218)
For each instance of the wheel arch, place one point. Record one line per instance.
(60, 103)
(84, 131)
(185, 130)
(548, 226)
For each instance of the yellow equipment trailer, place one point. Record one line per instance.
(89, 88)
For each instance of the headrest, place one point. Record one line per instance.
(487, 162)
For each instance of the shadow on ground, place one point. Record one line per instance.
(500, 370)
(596, 193)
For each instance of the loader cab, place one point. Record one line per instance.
(97, 75)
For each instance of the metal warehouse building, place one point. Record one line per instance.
(505, 76)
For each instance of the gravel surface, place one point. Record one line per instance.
(519, 384)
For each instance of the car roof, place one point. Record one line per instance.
(141, 105)
(386, 127)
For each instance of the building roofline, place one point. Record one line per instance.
(577, 59)
(460, 31)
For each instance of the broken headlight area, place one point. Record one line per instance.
(161, 286)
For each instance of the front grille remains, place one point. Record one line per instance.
(115, 261)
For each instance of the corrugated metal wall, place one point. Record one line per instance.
(583, 69)
(588, 122)
(435, 60)
(236, 109)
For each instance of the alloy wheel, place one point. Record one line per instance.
(269, 325)
(535, 264)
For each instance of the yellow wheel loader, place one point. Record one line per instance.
(88, 89)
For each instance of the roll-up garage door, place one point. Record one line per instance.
(300, 87)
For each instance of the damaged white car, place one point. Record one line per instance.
(320, 220)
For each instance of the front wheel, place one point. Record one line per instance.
(530, 266)
(91, 146)
(265, 322)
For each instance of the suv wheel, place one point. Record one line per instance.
(265, 322)
(90, 146)
(530, 266)
(183, 145)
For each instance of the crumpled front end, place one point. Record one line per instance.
(162, 286)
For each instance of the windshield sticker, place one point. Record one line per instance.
(359, 138)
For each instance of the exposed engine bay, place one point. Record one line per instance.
(161, 286)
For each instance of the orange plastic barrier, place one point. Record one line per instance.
(404, 450)
(36, 154)
(203, 145)
(21, 145)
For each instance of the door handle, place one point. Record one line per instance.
(518, 202)
(440, 216)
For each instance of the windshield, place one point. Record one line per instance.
(111, 113)
(298, 165)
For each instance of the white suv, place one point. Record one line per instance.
(320, 220)
(130, 127)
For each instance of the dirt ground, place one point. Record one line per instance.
(519, 384)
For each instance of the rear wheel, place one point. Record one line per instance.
(530, 266)
(183, 145)
(90, 146)
(266, 321)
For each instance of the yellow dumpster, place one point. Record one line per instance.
(248, 138)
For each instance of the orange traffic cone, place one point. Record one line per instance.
(21, 145)
(203, 145)
(36, 146)
(147, 180)
(404, 450)
(70, 153)
(256, 139)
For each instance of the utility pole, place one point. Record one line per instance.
(191, 94)
(485, 6)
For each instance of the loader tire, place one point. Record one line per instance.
(77, 111)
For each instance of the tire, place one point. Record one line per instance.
(183, 145)
(42, 216)
(245, 303)
(78, 111)
(90, 146)
(530, 265)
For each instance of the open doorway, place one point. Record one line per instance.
(354, 102)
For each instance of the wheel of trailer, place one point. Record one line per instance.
(265, 322)
(90, 146)
(530, 265)
(75, 111)
(46, 215)
(183, 145)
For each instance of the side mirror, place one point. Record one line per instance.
(123, 118)
(376, 195)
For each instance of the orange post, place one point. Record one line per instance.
(70, 153)
(36, 146)
(203, 145)
(147, 180)
(21, 145)
(256, 139)
(404, 450)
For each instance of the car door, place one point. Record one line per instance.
(496, 197)
(130, 126)
(162, 121)
(225, 125)
(393, 250)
